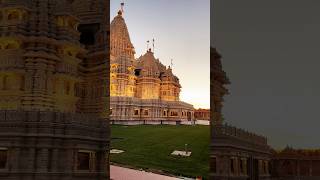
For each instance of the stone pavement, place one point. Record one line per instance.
(120, 173)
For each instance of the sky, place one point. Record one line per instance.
(270, 52)
(181, 29)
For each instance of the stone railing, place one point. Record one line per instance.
(46, 123)
(231, 131)
(15, 3)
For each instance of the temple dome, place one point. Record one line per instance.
(120, 38)
(167, 75)
(148, 65)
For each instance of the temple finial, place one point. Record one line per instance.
(148, 45)
(153, 44)
(122, 6)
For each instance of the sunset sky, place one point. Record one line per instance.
(181, 29)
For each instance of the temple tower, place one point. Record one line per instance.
(94, 29)
(122, 73)
(142, 90)
(218, 80)
(148, 83)
(170, 86)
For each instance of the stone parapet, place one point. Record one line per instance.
(240, 134)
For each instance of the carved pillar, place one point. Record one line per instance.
(42, 160)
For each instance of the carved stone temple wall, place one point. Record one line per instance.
(54, 88)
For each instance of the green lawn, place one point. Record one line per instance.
(150, 146)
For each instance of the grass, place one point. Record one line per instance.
(150, 146)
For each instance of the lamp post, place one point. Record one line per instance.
(185, 148)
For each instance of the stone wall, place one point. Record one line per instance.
(238, 154)
(45, 145)
(239, 134)
(135, 109)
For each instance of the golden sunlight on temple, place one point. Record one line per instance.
(142, 88)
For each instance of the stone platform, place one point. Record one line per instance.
(148, 122)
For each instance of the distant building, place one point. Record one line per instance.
(202, 114)
(299, 164)
(142, 90)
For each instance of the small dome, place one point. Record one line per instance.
(167, 73)
(148, 65)
(120, 42)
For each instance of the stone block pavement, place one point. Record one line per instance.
(121, 173)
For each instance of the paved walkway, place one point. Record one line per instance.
(120, 173)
